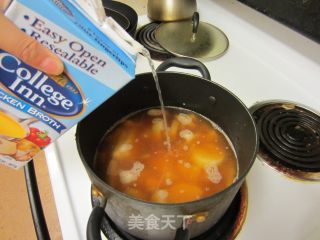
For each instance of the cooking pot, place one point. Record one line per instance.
(168, 10)
(180, 90)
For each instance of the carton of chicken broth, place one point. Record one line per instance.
(36, 109)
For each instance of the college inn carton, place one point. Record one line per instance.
(35, 109)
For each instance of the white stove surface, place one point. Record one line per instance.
(265, 61)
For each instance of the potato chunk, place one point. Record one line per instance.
(155, 112)
(213, 173)
(203, 158)
(174, 128)
(184, 119)
(183, 192)
(157, 127)
(186, 134)
(160, 196)
(129, 176)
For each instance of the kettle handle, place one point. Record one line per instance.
(187, 63)
(195, 22)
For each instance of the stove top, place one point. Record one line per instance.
(146, 36)
(265, 61)
(289, 138)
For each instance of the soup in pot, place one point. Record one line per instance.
(133, 157)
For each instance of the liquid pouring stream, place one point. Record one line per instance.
(146, 54)
(135, 47)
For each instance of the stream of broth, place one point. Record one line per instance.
(132, 157)
(146, 54)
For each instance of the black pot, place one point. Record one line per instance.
(181, 90)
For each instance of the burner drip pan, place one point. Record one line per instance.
(289, 138)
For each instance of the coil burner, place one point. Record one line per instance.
(146, 36)
(289, 138)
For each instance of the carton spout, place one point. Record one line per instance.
(95, 11)
(121, 37)
(99, 10)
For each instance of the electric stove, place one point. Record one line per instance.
(266, 61)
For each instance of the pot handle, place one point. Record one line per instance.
(182, 234)
(184, 62)
(94, 222)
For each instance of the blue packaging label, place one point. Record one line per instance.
(36, 109)
(57, 95)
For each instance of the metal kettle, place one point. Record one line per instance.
(169, 10)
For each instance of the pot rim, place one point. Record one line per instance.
(208, 198)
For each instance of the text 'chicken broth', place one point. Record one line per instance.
(133, 157)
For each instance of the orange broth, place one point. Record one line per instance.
(133, 157)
